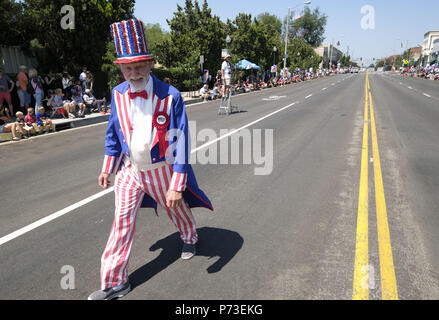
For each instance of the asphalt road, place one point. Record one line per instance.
(287, 235)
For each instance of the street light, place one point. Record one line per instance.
(274, 55)
(286, 31)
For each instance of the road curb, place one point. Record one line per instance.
(63, 124)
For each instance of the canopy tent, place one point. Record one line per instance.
(246, 65)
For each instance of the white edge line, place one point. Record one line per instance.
(237, 130)
(98, 195)
(53, 216)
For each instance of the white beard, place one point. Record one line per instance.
(138, 87)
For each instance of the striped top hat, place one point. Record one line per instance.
(130, 42)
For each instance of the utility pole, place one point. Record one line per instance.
(286, 39)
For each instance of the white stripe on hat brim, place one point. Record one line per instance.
(126, 60)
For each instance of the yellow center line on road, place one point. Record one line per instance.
(361, 269)
(387, 269)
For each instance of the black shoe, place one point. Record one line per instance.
(110, 294)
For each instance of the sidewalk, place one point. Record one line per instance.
(63, 124)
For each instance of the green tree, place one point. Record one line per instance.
(345, 61)
(302, 55)
(86, 44)
(398, 62)
(311, 27)
(155, 35)
(11, 23)
(254, 39)
(109, 68)
(194, 32)
(271, 21)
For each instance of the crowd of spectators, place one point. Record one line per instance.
(430, 72)
(42, 98)
(250, 82)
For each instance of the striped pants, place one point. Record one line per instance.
(130, 186)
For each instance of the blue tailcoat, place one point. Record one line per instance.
(168, 99)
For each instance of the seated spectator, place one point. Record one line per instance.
(62, 107)
(21, 120)
(6, 125)
(204, 92)
(92, 104)
(76, 88)
(31, 120)
(219, 87)
(47, 102)
(79, 102)
(5, 111)
(215, 93)
(246, 87)
(258, 85)
(43, 121)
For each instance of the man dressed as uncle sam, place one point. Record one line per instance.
(147, 146)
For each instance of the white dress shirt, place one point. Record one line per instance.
(141, 119)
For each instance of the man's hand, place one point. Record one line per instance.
(103, 180)
(173, 198)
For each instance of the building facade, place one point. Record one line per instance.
(428, 47)
(330, 55)
(435, 52)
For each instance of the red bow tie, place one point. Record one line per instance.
(141, 94)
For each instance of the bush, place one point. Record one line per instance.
(181, 78)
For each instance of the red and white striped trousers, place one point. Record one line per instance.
(130, 186)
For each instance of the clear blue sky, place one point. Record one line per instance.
(403, 19)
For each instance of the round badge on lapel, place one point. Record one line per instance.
(161, 120)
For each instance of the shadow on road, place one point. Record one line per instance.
(213, 242)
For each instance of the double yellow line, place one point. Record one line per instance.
(363, 270)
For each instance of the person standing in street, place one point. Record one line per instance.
(147, 146)
(226, 73)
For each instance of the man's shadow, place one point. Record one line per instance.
(213, 242)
